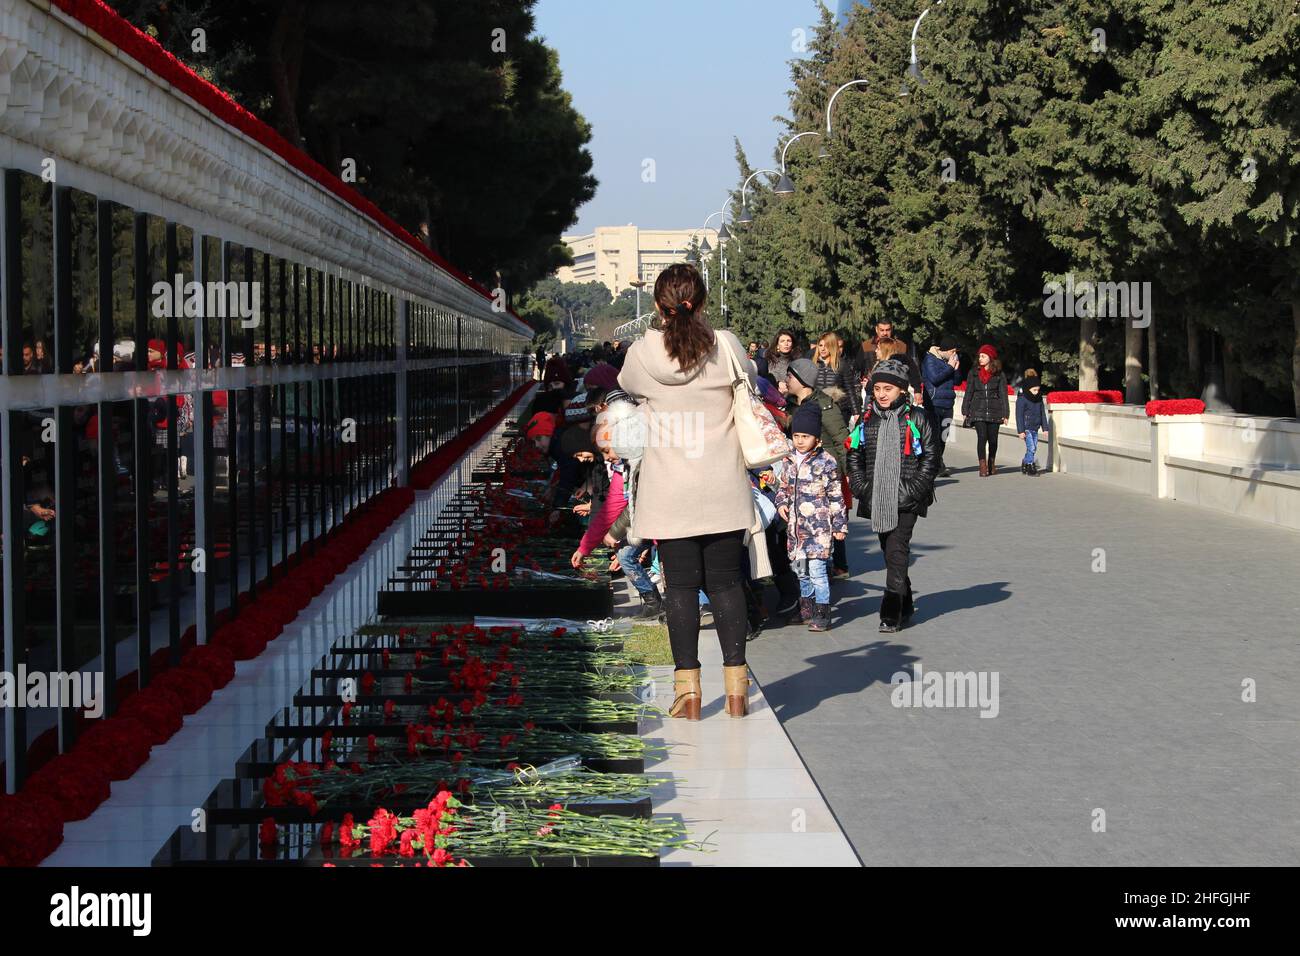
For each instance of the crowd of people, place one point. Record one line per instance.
(700, 535)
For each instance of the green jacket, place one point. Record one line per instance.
(834, 430)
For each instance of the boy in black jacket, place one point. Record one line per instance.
(892, 465)
(1031, 418)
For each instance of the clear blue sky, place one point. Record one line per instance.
(652, 80)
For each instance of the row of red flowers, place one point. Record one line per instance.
(1108, 397)
(71, 786)
(437, 464)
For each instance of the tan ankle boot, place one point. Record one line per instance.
(686, 695)
(984, 468)
(736, 681)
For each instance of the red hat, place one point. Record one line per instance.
(543, 423)
(988, 350)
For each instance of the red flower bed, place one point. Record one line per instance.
(71, 786)
(159, 710)
(1108, 397)
(120, 743)
(191, 686)
(28, 831)
(1175, 406)
(434, 466)
(214, 662)
(75, 782)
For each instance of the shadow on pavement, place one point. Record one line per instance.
(836, 673)
(929, 606)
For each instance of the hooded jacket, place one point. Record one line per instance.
(810, 488)
(692, 479)
(940, 381)
(835, 430)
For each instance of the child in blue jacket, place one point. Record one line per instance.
(1031, 417)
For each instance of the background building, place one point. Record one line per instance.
(615, 255)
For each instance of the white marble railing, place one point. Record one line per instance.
(1245, 465)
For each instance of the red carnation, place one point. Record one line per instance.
(158, 709)
(192, 687)
(75, 783)
(121, 744)
(29, 831)
(214, 661)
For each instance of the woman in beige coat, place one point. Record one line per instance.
(693, 493)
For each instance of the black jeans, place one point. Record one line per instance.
(896, 546)
(787, 583)
(986, 436)
(940, 421)
(712, 562)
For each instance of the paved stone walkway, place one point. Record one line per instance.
(1119, 691)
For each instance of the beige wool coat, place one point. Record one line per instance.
(693, 479)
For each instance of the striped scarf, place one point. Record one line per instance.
(888, 469)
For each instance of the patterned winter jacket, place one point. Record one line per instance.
(812, 493)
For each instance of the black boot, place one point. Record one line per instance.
(652, 605)
(891, 612)
(806, 607)
(908, 608)
(1024, 467)
(821, 619)
(1033, 469)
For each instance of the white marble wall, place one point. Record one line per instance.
(1244, 465)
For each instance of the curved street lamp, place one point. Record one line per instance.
(785, 186)
(831, 102)
(745, 218)
(913, 67)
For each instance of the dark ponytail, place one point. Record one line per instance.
(680, 295)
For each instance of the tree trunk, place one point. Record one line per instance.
(1153, 358)
(1232, 383)
(1133, 364)
(1295, 354)
(1194, 357)
(285, 63)
(1087, 353)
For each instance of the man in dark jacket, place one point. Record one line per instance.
(939, 371)
(892, 466)
(884, 329)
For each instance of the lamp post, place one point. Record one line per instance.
(638, 284)
(722, 260)
(784, 186)
(913, 67)
(829, 103)
(745, 218)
